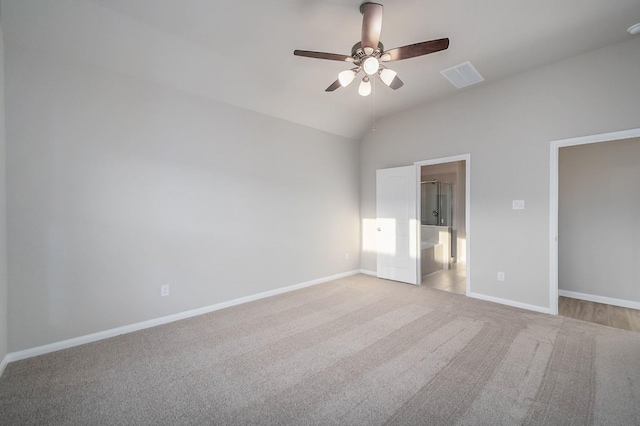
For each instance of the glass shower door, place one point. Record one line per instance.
(445, 196)
(430, 203)
(436, 203)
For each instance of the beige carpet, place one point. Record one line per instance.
(356, 351)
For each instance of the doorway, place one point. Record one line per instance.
(443, 209)
(554, 202)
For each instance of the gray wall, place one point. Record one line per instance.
(3, 213)
(507, 128)
(599, 208)
(117, 185)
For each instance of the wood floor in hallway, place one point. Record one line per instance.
(612, 316)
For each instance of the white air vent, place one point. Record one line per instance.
(462, 75)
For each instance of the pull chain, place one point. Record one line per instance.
(375, 85)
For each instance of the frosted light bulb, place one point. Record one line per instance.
(346, 77)
(387, 76)
(365, 87)
(370, 65)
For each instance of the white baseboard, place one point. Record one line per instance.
(81, 340)
(600, 299)
(3, 364)
(508, 302)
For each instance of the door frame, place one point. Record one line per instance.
(553, 200)
(467, 211)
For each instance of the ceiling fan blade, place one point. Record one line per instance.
(396, 83)
(413, 50)
(336, 84)
(323, 55)
(371, 25)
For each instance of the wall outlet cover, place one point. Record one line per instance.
(518, 204)
(164, 290)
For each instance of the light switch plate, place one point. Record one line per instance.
(518, 204)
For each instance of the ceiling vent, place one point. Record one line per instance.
(462, 75)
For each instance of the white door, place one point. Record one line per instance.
(397, 224)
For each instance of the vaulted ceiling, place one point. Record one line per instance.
(240, 52)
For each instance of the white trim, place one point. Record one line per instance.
(553, 231)
(600, 299)
(418, 171)
(81, 340)
(553, 200)
(368, 272)
(467, 208)
(3, 364)
(508, 302)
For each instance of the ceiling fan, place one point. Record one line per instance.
(368, 54)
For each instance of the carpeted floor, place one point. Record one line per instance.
(356, 351)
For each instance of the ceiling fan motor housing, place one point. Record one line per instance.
(358, 53)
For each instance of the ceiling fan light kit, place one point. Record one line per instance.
(369, 53)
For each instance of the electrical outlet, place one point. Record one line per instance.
(164, 290)
(500, 276)
(346, 256)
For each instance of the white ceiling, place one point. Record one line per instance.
(241, 51)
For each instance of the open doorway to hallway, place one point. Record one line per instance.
(598, 210)
(580, 287)
(443, 224)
